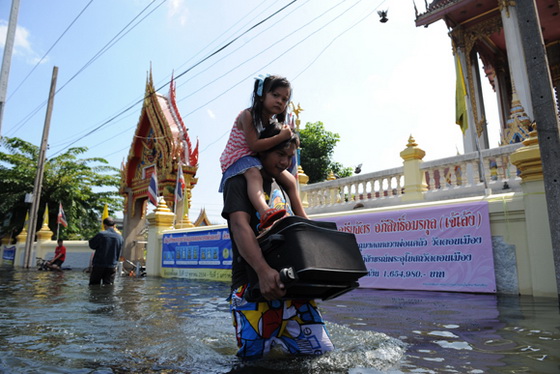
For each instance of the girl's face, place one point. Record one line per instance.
(275, 101)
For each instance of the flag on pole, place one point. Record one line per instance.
(153, 188)
(179, 207)
(180, 185)
(61, 218)
(461, 117)
(104, 215)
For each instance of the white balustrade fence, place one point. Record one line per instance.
(465, 175)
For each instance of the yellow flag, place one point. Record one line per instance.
(461, 117)
(26, 223)
(104, 215)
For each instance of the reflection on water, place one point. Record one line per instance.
(55, 323)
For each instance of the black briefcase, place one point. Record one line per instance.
(315, 260)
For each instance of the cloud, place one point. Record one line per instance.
(22, 44)
(177, 9)
(210, 114)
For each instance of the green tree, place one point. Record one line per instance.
(83, 186)
(340, 170)
(317, 147)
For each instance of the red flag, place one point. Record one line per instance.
(61, 218)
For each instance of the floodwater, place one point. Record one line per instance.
(54, 322)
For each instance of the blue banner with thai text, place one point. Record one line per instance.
(198, 249)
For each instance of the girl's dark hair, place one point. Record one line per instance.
(270, 84)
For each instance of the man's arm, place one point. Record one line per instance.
(94, 242)
(269, 279)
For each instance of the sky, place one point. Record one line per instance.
(373, 83)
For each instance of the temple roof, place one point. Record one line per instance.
(467, 13)
(161, 142)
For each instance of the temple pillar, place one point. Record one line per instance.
(44, 235)
(334, 197)
(502, 95)
(133, 225)
(516, 57)
(158, 221)
(303, 179)
(21, 239)
(479, 100)
(469, 137)
(539, 243)
(414, 179)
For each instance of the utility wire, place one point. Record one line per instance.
(251, 39)
(180, 75)
(167, 82)
(208, 46)
(114, 40)
(79, 135)
(335, 38)
(275, 58)
(269, 47)
(73, 137)
(87, 64)
(254, 56)
(50, 49)
(230, 43)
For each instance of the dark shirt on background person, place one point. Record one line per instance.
(107, 245)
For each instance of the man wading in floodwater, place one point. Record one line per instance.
(107, 245)
(294, 325)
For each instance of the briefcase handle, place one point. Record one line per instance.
(268, 242)
(287, 275)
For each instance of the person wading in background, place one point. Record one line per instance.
(107, 245)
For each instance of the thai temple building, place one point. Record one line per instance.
(488, 33)
(161, 144)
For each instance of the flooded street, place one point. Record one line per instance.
(55, 323)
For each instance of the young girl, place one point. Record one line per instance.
(271, 96)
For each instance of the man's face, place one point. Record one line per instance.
(275, 162)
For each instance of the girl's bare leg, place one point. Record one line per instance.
(255, 190)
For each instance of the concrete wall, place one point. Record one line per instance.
(78, 253)
(520, 268)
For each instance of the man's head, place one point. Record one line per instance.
(59, 241)
(109, 222)
(278, 158)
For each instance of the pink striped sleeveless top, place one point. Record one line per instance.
(236, 147)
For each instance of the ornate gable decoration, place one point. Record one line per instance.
(519, 125)
(161, 142)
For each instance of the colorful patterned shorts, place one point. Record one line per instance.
(294, 325)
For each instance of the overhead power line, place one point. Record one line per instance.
(180, 75)
(230, 42)
(102, 51)
(329, 22)
(207, 46)
(50, 49)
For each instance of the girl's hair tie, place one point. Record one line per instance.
(261, 78)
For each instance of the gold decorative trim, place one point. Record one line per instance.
(505, 4)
